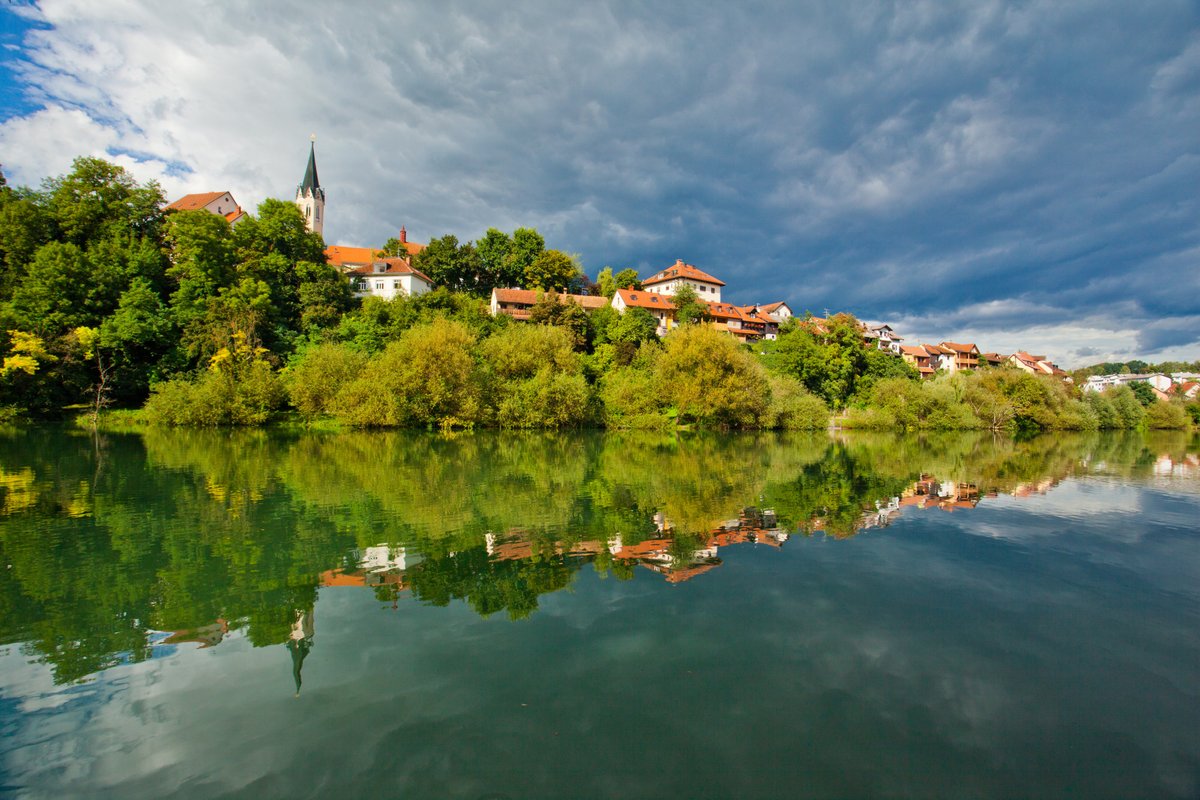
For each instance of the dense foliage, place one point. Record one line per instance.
(108, 298)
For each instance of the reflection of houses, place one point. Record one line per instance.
(205, 635)
(381, 565)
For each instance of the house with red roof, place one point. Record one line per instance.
(659, 306)
(518, 303)
(373, 275)
(220, 203)
(679, 274)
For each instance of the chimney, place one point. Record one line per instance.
(403, 235)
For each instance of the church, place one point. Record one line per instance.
(370, 273)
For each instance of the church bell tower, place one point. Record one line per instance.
(310, 197)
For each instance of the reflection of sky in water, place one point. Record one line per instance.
(914, 660)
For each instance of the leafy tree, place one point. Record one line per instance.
(606, 284)
(709, 379)
(550, 310)
(136, 337)
(628, 279)
(97, 199)
(538, 378)
(689, 310)
(319, 373)
(827, 359)
(553, 270)
(527, 245)
(495, 251)
(449, 264)
(1144, 393)
(323, 295)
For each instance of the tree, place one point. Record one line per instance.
(97, 199)
(606, 284)
(527, 245)
(826, 358)
(449, 264)
(1144, 392)
(495, 249)
(689, 310)
(136, 337)
(553, 270)
(628, 279)
(710, 379)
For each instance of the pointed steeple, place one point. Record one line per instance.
(310, 197)
(311, 186)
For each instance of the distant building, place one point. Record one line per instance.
(373, 275)
(220, 203)
(660, 307)
(310, 197)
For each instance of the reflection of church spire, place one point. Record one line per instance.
(299, 643)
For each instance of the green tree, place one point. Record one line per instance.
(449, 264)
(606, 283)
(527, 245)
(689, 310)
(628, 279)
(1144, 393)
(711, 380)
(495, 250)
(553, 270)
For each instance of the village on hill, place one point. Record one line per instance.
(374, 273)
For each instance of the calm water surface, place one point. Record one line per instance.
(225, 615)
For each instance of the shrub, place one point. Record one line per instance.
(1164, 415)
(247, 396)
(427, 377)
(792, 407)
(710, 379)
(537, 378)
(317, 376)
(628, 400)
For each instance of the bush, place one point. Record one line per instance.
(1164, 415)
(710, 379)
(537, 378)
(792, 407)
(873, 419)
(628, 399)
(427, 377)
(247, 396)
(317, 376)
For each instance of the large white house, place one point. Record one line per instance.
(372, 275)
(680, 274)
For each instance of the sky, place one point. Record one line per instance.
(1023, 175)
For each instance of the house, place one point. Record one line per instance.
(388, 278)
(940, 357)
(882, 337)
(661, 307)
(992, 360)
(780, 310)
(517, 303)
(220, 203)
(745, 326)
(770, 322)
(1036, 365)
(372, 274)
(920, 358)
(966, 356)
(680, 274)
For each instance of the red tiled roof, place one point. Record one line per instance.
(342, 255)
(916, 351)
(192, 202)
(681, 270)
(771, 308)
(640, 299)
(961, 348)
(235, 215)
(529, 297)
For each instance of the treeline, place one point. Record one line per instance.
(107, 299)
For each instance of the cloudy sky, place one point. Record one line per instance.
(1025, 175)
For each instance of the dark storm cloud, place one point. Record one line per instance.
(919, 161)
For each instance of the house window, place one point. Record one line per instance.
(378, 284)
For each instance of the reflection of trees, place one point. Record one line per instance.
(173, 530)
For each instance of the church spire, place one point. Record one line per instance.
(310, 197)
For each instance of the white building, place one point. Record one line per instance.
(680, 274)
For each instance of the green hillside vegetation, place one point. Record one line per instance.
(107, 299)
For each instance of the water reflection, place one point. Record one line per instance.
(119, 545)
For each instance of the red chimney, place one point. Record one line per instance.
(403, 235)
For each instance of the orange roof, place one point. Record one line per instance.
(640, 299)
(395, 266)
(771, 308)
(235, 215)
(341, 255)
(192, 202)
(961, 348)
(681, 270)
(914, 350)
(529, 297)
